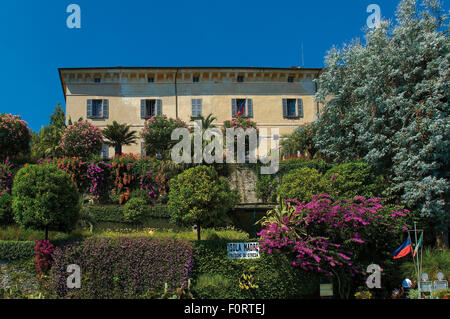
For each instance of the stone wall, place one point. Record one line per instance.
(244, 180)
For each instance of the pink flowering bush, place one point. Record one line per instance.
(157, 133)
(43, 251)
(15, 136)
(81, 139)
(327, 236)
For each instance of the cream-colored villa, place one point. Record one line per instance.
(280, 98)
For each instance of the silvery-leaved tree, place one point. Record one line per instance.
(387, 102)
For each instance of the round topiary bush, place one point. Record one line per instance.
(15, 136)
(133, 210)
(302, 184)
(45, 198)
(82, 139)
(199, 195)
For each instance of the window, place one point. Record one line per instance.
(240, 78)
(97, 80)
(242, 107)
(196, 79)
(291, 79)
(97, 109)
(292, 108)
(104, 153)
(150, 79)
(150, 108)
(196, 107)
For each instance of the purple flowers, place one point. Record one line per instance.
(125, 267)
(347, 224)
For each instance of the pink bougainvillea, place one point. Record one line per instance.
(324, 234)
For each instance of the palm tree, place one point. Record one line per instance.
(117, 135)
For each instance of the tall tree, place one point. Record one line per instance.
(47, 143)
(389, 105)
(118, 135)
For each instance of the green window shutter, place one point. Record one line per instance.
(158, 107)
(249, 108)
(285, 111)
(143, 107)
(89, 109)
(300, 107)
(233, 108)
(105, 109)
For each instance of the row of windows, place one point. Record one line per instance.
(196, 79)
(99, 109)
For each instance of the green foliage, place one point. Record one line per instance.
(433, 261)
(44, 197)
(302, 184)
(6, 215)
(116, 135)
(212, 286)
(47, 143)
(301, 140)
(389, 106)
(353, 179)
(276, 278)
(157, 133)
(16, 250)
(198, 195)
(133, 210)
(265, 187)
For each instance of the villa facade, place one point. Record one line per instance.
(280, 98)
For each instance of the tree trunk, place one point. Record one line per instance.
(118, 149)
(198, 232)
(46, 233)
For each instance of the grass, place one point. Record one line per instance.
(19, 234)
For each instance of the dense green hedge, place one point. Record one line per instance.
(275, 277)
(15, 250)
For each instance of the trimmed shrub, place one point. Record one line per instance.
(133, 210)
(353, 179)
(275, 277)
(302, 184)
(44, 197)
(81, 139)
(16, 250)
(6, 215)
(123, 267)
(6, 176)
(198, 195)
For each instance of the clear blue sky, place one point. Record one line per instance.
(35, 40)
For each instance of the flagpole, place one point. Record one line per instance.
(418, 269)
